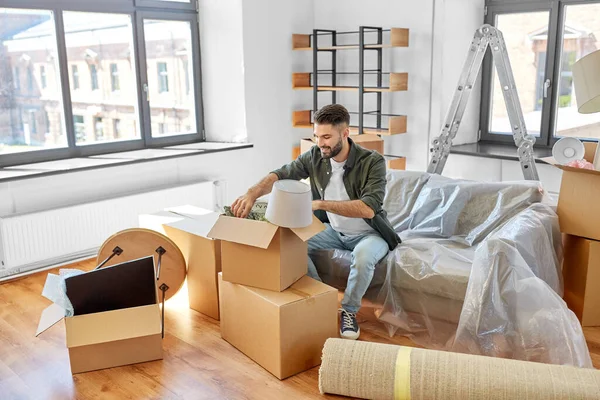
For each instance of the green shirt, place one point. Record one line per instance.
(364, 178)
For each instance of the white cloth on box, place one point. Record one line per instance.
(55, 289)
(336, 191)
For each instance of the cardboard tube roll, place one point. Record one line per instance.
(381, 371)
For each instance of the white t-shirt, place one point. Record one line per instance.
(336, 191)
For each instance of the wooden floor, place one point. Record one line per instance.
(197, 363)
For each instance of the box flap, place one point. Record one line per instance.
(50, 316)
(552, 161)
(189, 211)
(198, 225)
(303, 289)
(243, 231)
(109, 326)
(309, 231)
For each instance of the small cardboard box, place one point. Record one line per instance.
(581, 273)
(284, 332)
(117, 318)
(577, 209)
(263, 255)
(371, 142)
(203, 257)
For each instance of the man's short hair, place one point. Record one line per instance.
(333, 114)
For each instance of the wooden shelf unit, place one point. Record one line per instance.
(398, 83)
(397, 124)
(398, 38)
(368, 136)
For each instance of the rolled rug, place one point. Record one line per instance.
(381, 371)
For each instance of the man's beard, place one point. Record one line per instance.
(333, 151)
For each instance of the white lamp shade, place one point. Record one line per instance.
(290, 204)
(586, 77)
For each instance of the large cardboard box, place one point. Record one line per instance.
(581, 273)
(371, 142)
(263, 255)
(117, 318)
(203, 257)
(284, 332)
(577, 208)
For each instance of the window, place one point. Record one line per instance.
(581, 35)
(75, 76)
(544, 38)
(20, 51)
(174, 39)
(117, 128)
(139, 54)
(163, 77)
(110, 41)
(43, 77)
(114, 78)
(94, 77)
(17, 79)
(79, 124)
(98, 128)
(30, 79)
(32, 122)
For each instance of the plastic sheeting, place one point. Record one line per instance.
(478, 271)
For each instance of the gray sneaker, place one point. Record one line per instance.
(348, 325)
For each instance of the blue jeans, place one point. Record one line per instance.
(367, 250)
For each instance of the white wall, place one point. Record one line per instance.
(222, 61)
(455, 23)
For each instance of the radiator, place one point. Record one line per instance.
(30, 242)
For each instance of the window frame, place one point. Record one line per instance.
(143, 77)
(137, 10)
(556, 24)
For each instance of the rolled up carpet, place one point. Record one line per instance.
(382, 371)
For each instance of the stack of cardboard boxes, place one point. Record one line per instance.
(579, 217)
(268, 308)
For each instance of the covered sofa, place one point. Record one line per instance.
(478, 271)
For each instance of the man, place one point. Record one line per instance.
(348, 186)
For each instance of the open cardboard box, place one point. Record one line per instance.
(263, 255)
(117, 318)
(188, 227)
(284, 332)
(577, 209)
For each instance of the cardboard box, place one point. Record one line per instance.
(577, 208)
(284, 332)
(263, 255)
(371, 142)
(203, 257)
(117, 318)
(581, 273)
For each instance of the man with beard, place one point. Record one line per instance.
(348, 186)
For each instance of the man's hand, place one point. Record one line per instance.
(242, 206)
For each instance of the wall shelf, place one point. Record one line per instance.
(397, 124)
(398, 38)
(398, 83)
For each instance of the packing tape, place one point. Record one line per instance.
(402, 374)
(300, 293)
